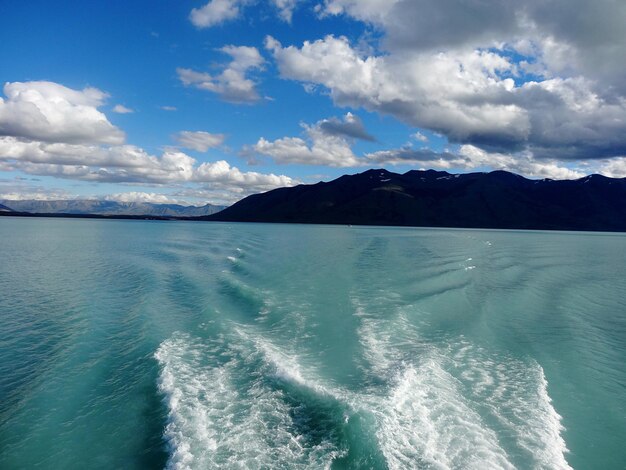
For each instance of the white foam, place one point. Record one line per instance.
(548, 444)
(426, 419)
(515, 393)
(214, 423)
(458, 406)
(443, 407)
(287, 367)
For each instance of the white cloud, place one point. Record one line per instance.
(50, 112)
(351, 126)
(138, 196)
(285, 8)
(220, 174)
(124, 163)
(576, 37)
(420, 137)
(614, 168)
(121, 109)
(51, 142)
(169, 108)
(523, 164)
(215, 12)
(321, 146)
(232, 84)
(127, 164)
(372, 11)
(467, 95)
(470, 157)
(22, 190)
(200, 141)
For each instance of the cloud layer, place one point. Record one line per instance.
(49, 130)
(200, 141)
(321, 147)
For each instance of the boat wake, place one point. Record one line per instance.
(240, 401)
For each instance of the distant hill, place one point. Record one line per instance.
(4, 208)
(113, 208)
(438, 199)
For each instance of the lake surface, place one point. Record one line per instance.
(132, 345)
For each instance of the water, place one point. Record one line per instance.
(131, 344)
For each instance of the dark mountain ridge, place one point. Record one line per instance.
(498, 199)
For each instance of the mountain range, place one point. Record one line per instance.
(498, 199)
(108, 208)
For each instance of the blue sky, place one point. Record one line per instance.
(224, 98)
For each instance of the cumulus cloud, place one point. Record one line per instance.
(285, 8)
(233, 83)
(437, 92)
(200, 141)
(48, 129)
(468, 95)
(50, 112)
(350, 126)
(123, 163)
(121, 109)
(588, 38)
(328, 142)
(537, 78)
(216, 12)
(222, 174)
(372, 11)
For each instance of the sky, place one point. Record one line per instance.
(200, 102)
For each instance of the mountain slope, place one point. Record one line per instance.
(436, 198)
(4, 208)
(99, 207)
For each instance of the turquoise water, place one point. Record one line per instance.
(131, 344)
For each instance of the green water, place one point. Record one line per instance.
(131, 344)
